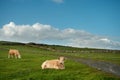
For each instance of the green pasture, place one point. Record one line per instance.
(29, 66)
(107, 57)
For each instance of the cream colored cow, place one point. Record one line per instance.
(54, 64)
(14, 53)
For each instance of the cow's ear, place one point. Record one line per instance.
(58, 58)
(65, 58)
(61, 63)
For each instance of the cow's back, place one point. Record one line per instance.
(13, 52)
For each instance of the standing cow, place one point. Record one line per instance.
(14, 53)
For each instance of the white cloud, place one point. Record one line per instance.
(41, 33)
(58, 1)
(105, 40)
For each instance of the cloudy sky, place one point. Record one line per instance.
(78, 23)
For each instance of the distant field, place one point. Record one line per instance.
(29, 67)
(107, 57)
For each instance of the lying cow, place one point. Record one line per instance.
(54, 64)
(14, 53)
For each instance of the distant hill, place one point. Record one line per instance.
(59, 48)
(10, 43)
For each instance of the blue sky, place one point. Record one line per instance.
(99, 18)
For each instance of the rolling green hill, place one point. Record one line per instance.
(29, 66)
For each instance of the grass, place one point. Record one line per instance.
(29, 67)
(107, 57)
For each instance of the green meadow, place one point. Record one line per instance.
(29, 66)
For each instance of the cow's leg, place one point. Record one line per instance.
(56, 67)
(16, 56)
(11, 55)
(8, 55)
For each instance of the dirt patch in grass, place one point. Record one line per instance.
(100, 65)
